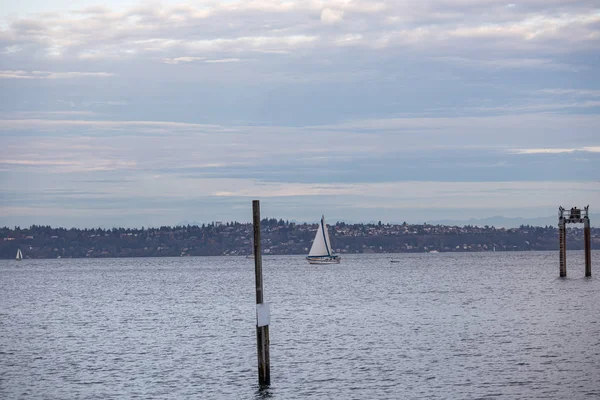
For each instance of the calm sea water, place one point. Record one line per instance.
(441, 326)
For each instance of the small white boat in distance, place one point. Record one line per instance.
(19, 255)
(320, 252)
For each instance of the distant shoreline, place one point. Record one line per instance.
(279, 238)
(267, 256)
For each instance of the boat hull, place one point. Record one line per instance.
(324, 260)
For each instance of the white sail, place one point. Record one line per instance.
(19, 255)
(321, 252)
(321, 245)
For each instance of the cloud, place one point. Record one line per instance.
(44, 124)
(179, 60)
(458, 148)
(330, 16)
(229, 29)
(35, 162)
(18, 74)
(509, 63)
(103, 10)
(250, 43)
(589, 149)
(572, 92)
(91, 163)
(44, 114)
(352, 137)
(388, 201)
(224, 60)
(339, 104)
(529, 107)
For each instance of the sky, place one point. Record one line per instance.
(157, 113)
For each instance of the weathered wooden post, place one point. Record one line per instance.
(262, 309)
(562, 243)
(587, 244)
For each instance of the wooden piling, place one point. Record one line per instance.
(562, 229)
(588, 247)
(262, 332)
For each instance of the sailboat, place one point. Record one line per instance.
(19, 255)
(320, 252)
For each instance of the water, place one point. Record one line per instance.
(467, 325)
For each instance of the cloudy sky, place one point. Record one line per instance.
(152, 113)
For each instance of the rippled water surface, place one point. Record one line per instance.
(433, 326)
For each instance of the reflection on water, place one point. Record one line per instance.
(426, 326)
(263, 392)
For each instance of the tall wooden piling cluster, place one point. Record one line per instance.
(262, 309)
(574, 215)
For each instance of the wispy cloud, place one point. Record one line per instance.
(35, 162)
(18, 74)
(179, 60)
(44, 114)
(571, 92)
(224, 60)
(472, 148)
(154, 126)
(178, 198)
(331, 16)
(540, 106)
(185, 60)
(592, 149)
(101, 32)
(70, 166)
(510, 63)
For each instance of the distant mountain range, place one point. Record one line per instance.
(507, 222)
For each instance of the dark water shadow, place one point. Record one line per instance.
(263, 392)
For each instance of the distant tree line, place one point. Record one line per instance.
(279, 237)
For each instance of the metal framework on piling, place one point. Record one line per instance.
(574, 216)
